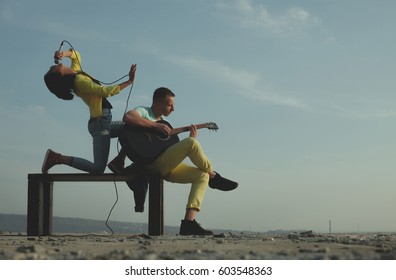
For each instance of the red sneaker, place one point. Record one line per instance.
(51, 158)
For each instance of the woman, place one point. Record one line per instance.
(65, 82)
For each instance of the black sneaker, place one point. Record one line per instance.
(193, 228)
(223, 184)
(116, 166)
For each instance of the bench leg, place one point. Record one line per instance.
(39, 210)
(156, 205)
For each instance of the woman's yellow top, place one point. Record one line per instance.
(90, 92)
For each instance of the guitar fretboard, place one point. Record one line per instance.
(187, 128)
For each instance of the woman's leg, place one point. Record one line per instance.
(118, 163)
(100, 129)
(115, 128)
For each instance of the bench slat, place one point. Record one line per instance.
(80, 177)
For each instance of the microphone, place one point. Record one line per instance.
(56, 60)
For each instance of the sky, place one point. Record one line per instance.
(303, 93)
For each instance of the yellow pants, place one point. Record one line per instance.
(170, 165)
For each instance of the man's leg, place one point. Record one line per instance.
(183, 174)
(174, 155)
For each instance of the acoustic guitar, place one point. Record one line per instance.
(143, 145)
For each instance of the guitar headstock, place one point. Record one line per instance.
(212, 126)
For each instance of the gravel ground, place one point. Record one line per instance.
(226, 246)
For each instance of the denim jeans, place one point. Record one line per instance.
(102, 129)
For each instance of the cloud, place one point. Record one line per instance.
(247, 84)
(20, 15)
(259, 18)
(371, 113)
(8, 10)
(6, 14)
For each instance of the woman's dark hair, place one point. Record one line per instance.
(61, 86)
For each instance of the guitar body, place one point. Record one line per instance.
(143, 145)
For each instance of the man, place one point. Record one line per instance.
(170, 162)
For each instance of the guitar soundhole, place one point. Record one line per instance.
(163, 136)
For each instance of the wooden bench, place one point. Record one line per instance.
(40, 199)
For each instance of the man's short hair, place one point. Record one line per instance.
(161, 93)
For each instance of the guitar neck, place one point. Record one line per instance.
(186, 128)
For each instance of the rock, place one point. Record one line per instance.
(31, 249)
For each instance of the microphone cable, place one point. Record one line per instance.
(79, 63)
(118, 150)
(123, 122)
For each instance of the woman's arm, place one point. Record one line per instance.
(59, 55)
(132, 73)
(73, 55)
